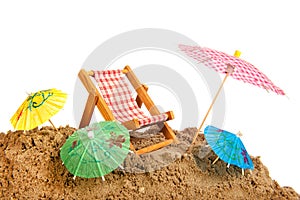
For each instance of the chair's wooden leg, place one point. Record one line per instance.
(145, 98)
(154, 147)
(132, 148)
(91, 88)
(132, 124)
(88, 110)
(169, 133)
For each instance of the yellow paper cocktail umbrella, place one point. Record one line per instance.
(38, 108)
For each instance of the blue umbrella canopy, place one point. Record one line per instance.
(228, 146)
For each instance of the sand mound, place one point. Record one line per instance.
(30, 168)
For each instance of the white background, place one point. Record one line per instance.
(43, 45)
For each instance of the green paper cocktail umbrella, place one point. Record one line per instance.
(96, 150)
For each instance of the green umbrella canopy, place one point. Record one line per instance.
(96, 150)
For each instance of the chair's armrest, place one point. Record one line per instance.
(170, 115)
(132, 124)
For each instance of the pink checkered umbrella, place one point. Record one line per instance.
(232, 66)
(243, 70)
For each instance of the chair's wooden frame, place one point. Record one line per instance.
(95, 99)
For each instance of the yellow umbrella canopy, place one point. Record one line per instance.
(38, 108)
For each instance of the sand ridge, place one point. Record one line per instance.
(30, 168)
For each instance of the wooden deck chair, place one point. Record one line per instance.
(116, 103)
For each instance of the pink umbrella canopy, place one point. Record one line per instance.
(243, 70)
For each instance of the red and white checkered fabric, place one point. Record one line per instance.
(242, 69)
(117, 95)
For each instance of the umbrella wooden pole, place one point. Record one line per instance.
(209, 109)
(229, 70)
(52, 125)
